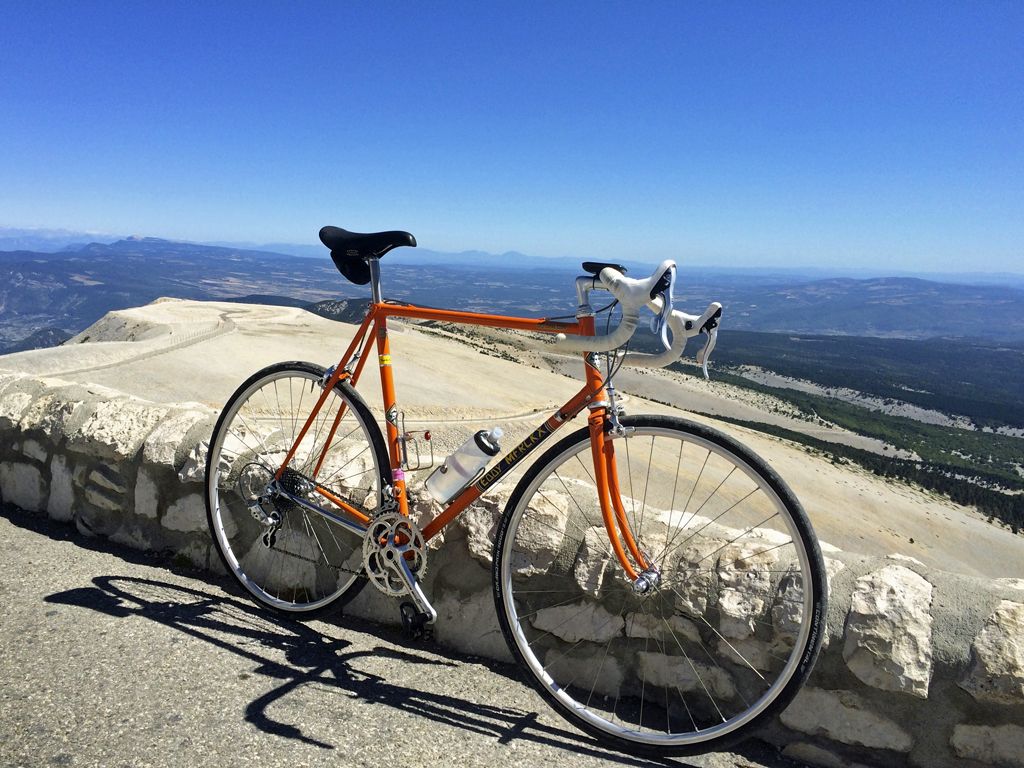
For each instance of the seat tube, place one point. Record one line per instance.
(387, 385)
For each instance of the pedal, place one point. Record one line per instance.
(416, 623)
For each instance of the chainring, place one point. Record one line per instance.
(389, 537)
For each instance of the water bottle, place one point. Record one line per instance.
(462, 466)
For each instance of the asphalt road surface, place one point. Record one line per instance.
(112, 657)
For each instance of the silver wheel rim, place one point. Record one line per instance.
(639, 735)
(218, 519)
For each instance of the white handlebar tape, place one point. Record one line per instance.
(631, 294)
(622, 333)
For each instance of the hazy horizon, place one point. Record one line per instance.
(67, 237)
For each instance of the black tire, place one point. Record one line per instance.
(718, 646)
(306, 565)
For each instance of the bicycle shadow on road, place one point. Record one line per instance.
(296, 655)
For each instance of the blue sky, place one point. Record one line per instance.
(858, 134)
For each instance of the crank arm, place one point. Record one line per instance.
(415, 591)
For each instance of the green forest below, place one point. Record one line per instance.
(983, 381)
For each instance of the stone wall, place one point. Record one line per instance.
(920, 667)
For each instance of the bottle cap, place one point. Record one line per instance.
(487, 441)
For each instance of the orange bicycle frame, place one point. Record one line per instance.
(592, 395)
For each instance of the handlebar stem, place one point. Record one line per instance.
(584, 285)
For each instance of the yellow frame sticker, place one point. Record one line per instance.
(384, 359)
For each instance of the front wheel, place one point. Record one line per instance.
(727, 625)
(285, 555)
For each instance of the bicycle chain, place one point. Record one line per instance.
(336, 568)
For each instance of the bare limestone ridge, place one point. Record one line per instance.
(924, 656)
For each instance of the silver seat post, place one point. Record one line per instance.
(375, 280)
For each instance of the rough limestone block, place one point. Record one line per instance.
(108, 479)
(592, 560)
(645, 625)
(12, 408)
(94, 519)
(844, 717)
(996, 674)
(147, 496)
(470, 625)
(115, 429)
(50, 414)
(186, 514)
(744, 577)
(104, 501)
(695, 587)
(897, 557)
(61, 504)
(22, 485)
(590, 666)
(193, 467)
(104, 498)
(35, 450)
(686, 675)
(541, 534)
(480, 524)
(788, 605)
(749, 654)
(579, 621)
(889, 631)
(166, 443)
(1001, 745)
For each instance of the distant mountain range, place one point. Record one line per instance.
(66, 290)
(55, 240)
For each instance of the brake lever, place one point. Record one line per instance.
(663, 289)
(710, 327)
(705, 354)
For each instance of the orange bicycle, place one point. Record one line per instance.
(658, 582)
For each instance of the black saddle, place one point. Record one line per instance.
(350, 250)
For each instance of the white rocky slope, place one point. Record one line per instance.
(175, 351)
(926, 623)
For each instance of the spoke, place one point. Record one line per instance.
(567, 493)
(736, 538)
(716, 519)
(568, 520)
(647, 483)
(696, 674)
(689, 498)
(585, 467)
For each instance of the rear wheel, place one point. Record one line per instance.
(285, 556)
(728, 629)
